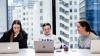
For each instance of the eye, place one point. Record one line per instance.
(18, 27)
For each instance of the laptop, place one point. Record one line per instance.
(95, 46)
(44, 46)
(9, 47)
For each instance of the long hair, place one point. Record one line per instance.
(85, 24)
(12, 31)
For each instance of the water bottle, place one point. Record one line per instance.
(65, 48)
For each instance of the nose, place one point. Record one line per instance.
(47, 30)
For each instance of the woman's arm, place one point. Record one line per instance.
(23, 41)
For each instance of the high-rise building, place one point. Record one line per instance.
(32, 15)
(38, 12)
(74, 17)
(10, 16)
(29, 19)
(3, 17)
(62, 20)
(90, 10)
(67, 14)
(45, 12)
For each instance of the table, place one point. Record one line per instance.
(71, 52)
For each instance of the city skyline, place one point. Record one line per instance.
(61, 14)
(58, 16)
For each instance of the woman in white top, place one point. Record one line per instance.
(48, 36)
(86, 34)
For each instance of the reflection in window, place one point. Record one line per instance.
(76, 45)
(41, 10)
(75, 31)
(75, 38)
(64, 34)
(23, 18)
(41, 17)
(71, 31)
(71, 38)
(75, 3)
(70, 10)
(41, 32)
(71, 45)
(75, 10)
(32, 34)
(75, 16)
(70, 2)
(23, 13)
(41, 24)
(32, 23)
(64, 19)
(71, 24)
(63, 10)
(70, 17)
(41, 3)
(64, 3)
(64, 26)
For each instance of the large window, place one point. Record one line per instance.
(63, 10)
(64, 34)
(3, 16)
(64, 19)
(33, 13)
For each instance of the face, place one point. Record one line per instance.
(80, 29)
(16, 28)
(47, 30)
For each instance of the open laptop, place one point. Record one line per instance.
(9, 47)
(95, 46)
(44, 47)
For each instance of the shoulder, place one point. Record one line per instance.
(7, 33)
(93, 36)
(23, 32)
(55, 36)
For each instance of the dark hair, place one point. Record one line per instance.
(85, 23)
(12, 31)
(46, 24)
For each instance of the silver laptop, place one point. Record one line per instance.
(44, 46)
(95, 46)
(9, 47)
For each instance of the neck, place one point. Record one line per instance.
(47, 34)
(86, 33)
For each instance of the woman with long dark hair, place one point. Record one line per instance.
(86, 34)
(15, 34)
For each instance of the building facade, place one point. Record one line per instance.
(90, 10)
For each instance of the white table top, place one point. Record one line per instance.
(72, 52)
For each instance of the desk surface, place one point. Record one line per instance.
(72, 52)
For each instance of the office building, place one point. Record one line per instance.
(32, 15)
(90, 10)
(45, 11)
(67, 14)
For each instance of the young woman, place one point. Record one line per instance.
(15, 34)
(86, 34)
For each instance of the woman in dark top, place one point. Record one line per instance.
(15, 34)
